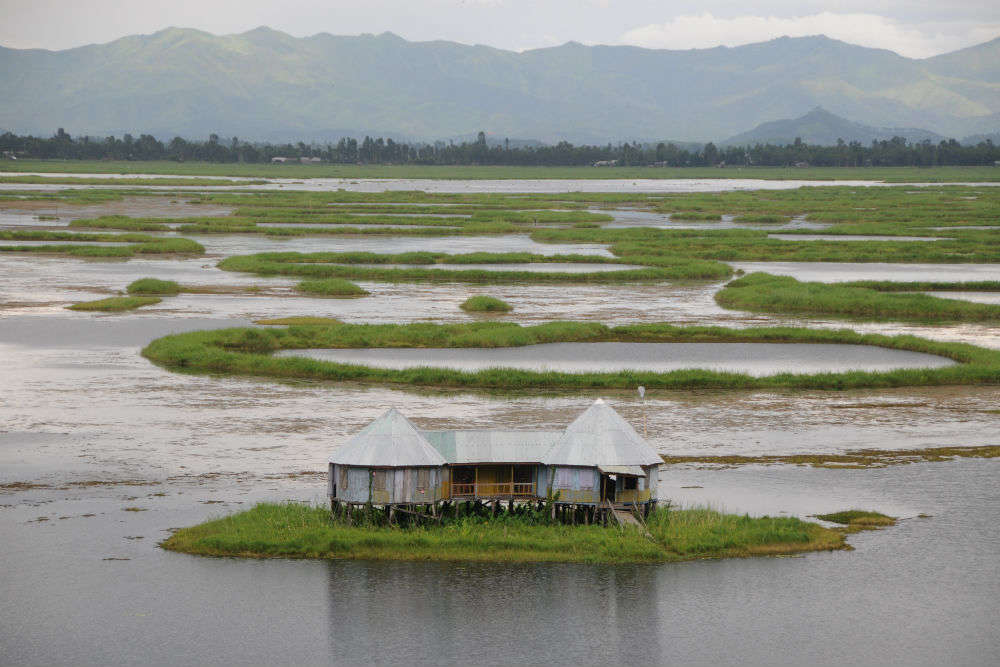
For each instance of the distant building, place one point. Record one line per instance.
(281, 159)
(606, 163)
(597, 461)
(310, 160)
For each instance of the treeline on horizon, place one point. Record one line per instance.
(895, 152)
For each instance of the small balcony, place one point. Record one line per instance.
(493, 490)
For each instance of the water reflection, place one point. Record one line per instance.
(454, 613)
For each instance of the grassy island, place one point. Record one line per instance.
(116, 304)
(485, 304)
(416, 267)
(153, 286)
(860, 519)
(293, 530)
(131, 244)
(248, 352)
(332, 287)
(763, 292)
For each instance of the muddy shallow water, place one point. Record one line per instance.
(756, 359)
(94, 428)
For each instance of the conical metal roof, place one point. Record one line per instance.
(600, 437)
(390, 441)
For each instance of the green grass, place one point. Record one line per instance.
(891, 174)
(247, 352)
(153, 286)
(116, 303)
(78, 180)
(335, 287)
(307, 321)
(138, 244)
(760, 218)
(859, 519)
(121, 222)
(695, 216)
(763, 292)
(293, 530)
(485, 304)
(342, 265)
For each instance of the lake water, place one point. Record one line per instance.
(757, 359)
(91, 428)
(512, 186)
(99, 429)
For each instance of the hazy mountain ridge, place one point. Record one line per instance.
(264, 84)
(820, 127)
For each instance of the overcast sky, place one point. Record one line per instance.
(914, 28)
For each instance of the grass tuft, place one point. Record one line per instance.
(485, 304)
(154, 286)
(335, 287)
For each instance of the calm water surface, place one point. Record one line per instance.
(757, 359)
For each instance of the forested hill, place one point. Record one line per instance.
(266, 85)
(823, 128)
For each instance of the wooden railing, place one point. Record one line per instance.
(633, 496)
(493, 490)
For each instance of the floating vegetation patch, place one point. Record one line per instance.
(116, 303)
(859, 519)
(294, 530)
(153, 286)
(763, 292)
(485, 304)
(248, 352)
(444, 267)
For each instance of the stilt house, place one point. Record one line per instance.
(599, 459)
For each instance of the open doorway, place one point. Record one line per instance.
(608, 484)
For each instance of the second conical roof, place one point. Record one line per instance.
(601, 437)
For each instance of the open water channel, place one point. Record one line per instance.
(102, 453)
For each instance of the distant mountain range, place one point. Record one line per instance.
(820, 127)
(267, 85)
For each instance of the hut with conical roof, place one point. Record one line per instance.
(389, 462)
(599, 459)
